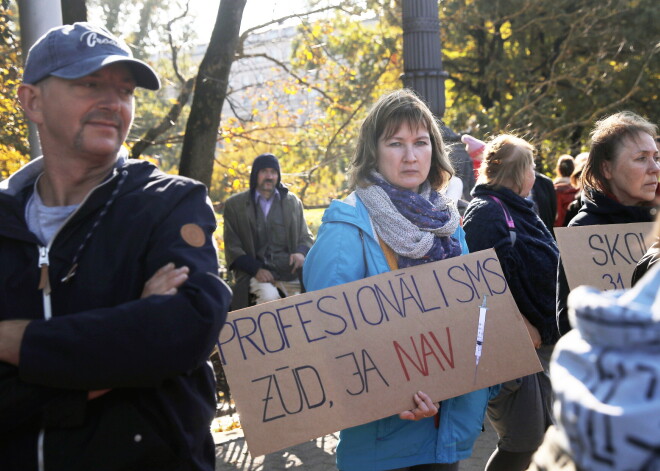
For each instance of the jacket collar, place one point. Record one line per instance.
(350, 210)
(28, 173)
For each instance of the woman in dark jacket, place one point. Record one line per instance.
(619, 183)
(500, 216)
(652, 255)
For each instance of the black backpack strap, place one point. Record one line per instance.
(364, 252)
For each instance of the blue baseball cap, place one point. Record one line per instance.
(74, 51)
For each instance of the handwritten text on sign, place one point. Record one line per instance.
(312, 364)
(602, 256)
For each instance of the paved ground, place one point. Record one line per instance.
(316, 455)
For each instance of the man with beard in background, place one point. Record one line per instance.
(266, 237)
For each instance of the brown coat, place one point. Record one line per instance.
(240, 228)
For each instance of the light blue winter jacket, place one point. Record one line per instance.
(345, 240)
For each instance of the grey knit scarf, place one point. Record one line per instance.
(399, 232)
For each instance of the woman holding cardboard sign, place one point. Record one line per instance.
(501, 217)
(396, 218)
(619, 183)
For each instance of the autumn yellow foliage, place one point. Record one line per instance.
(10, 161)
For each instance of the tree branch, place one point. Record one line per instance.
(298, 78)
(166, 123)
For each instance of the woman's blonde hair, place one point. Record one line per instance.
(506, 158)
(606, 139)
(384, 119)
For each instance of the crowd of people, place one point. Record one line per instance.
(103, 352)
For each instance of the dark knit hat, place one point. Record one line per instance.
(261, 162)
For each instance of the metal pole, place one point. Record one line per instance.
(423, 73)
(35, 18)
(422, 53)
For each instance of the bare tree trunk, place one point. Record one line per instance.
(201, 136)
(73, 10)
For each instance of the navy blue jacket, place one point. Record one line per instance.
(152, 353)
(545, 197)
(596, 209)
(529, 264)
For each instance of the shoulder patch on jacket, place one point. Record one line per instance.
(193, 235)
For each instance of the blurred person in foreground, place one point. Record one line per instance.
(110, 303)
(619, 182)
(501, 216)
(397, 217)
(604, 375)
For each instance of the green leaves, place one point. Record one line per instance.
(548, 69)
(14, 133)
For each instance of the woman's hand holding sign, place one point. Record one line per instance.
(425, 408)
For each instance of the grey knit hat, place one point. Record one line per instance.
(606, 377)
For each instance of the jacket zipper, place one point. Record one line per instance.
(44, 281)
(44, 286)
(44, 262)
(40, 451)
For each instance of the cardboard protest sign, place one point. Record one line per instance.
(308, 365)
(603, 256)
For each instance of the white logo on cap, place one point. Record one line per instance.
(92, 39)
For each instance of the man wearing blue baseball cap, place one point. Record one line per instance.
(110, 301)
